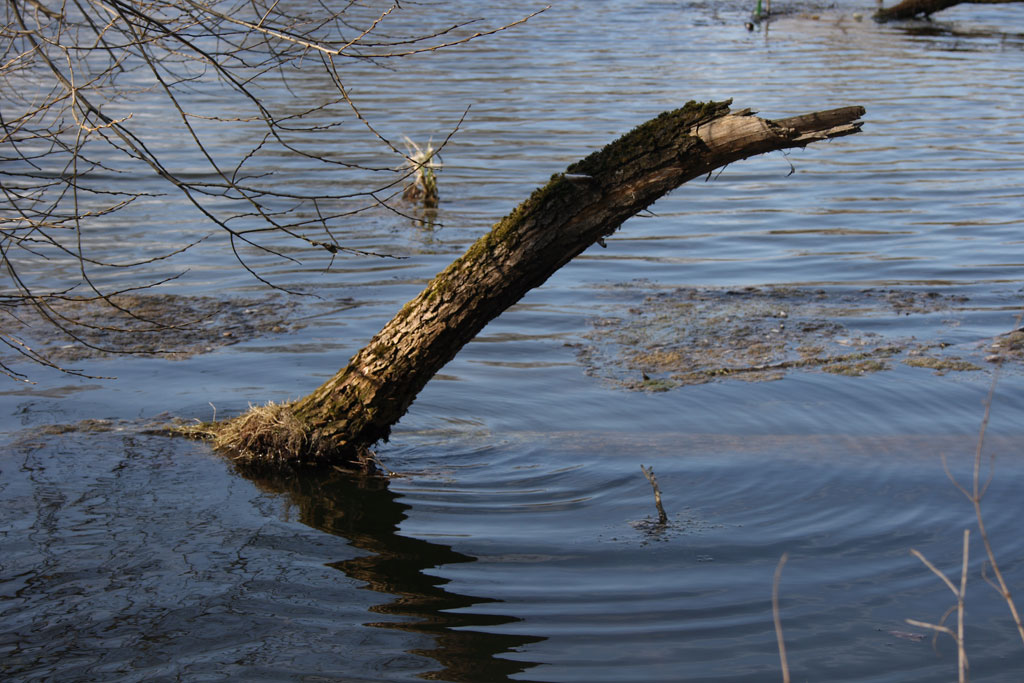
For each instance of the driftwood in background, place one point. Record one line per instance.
(342, 419)
(912, 8)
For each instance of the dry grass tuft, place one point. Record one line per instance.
(423, 165)
(268, 433)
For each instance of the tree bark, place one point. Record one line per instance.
(909, 9)
(353, 410)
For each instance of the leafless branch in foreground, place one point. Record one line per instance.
(103, 100)
(975, 493)
(960, 594)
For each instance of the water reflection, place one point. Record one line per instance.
(933, 29)
(367, 513)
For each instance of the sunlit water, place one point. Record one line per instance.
(517, 541)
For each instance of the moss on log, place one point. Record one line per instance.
(339, 421)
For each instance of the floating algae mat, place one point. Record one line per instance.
(166, 325)
(691, 335)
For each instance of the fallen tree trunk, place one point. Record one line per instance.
(343, 418)
(909, 9)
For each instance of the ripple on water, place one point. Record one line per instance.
(134, 557)
(520, 542)
(696, 594)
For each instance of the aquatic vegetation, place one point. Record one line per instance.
(689, 336)
(941, 365)
(423, 166)
(1008, 347)
(165, 325)
(855, 368)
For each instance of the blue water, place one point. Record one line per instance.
(516, 541)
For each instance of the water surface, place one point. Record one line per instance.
(516, 542)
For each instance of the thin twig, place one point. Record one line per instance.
(649, 473)
(961, 652)
(73, 75)
(960, 594)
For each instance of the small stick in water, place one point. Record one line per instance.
(649, 473)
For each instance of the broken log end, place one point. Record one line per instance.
(823, 125)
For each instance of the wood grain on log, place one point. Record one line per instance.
(340, 420)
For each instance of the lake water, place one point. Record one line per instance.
(517, 540)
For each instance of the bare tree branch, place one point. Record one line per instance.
(73, 76)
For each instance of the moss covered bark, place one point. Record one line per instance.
(357, 407)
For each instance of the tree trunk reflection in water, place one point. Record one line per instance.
(912, 8)
(367, 513)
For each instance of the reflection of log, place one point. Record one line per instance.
(912, 8)
(357, 407)
(365, 512)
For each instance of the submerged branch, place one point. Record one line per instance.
(649, 473)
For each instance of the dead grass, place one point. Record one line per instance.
(269, 433)
(423, 165)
